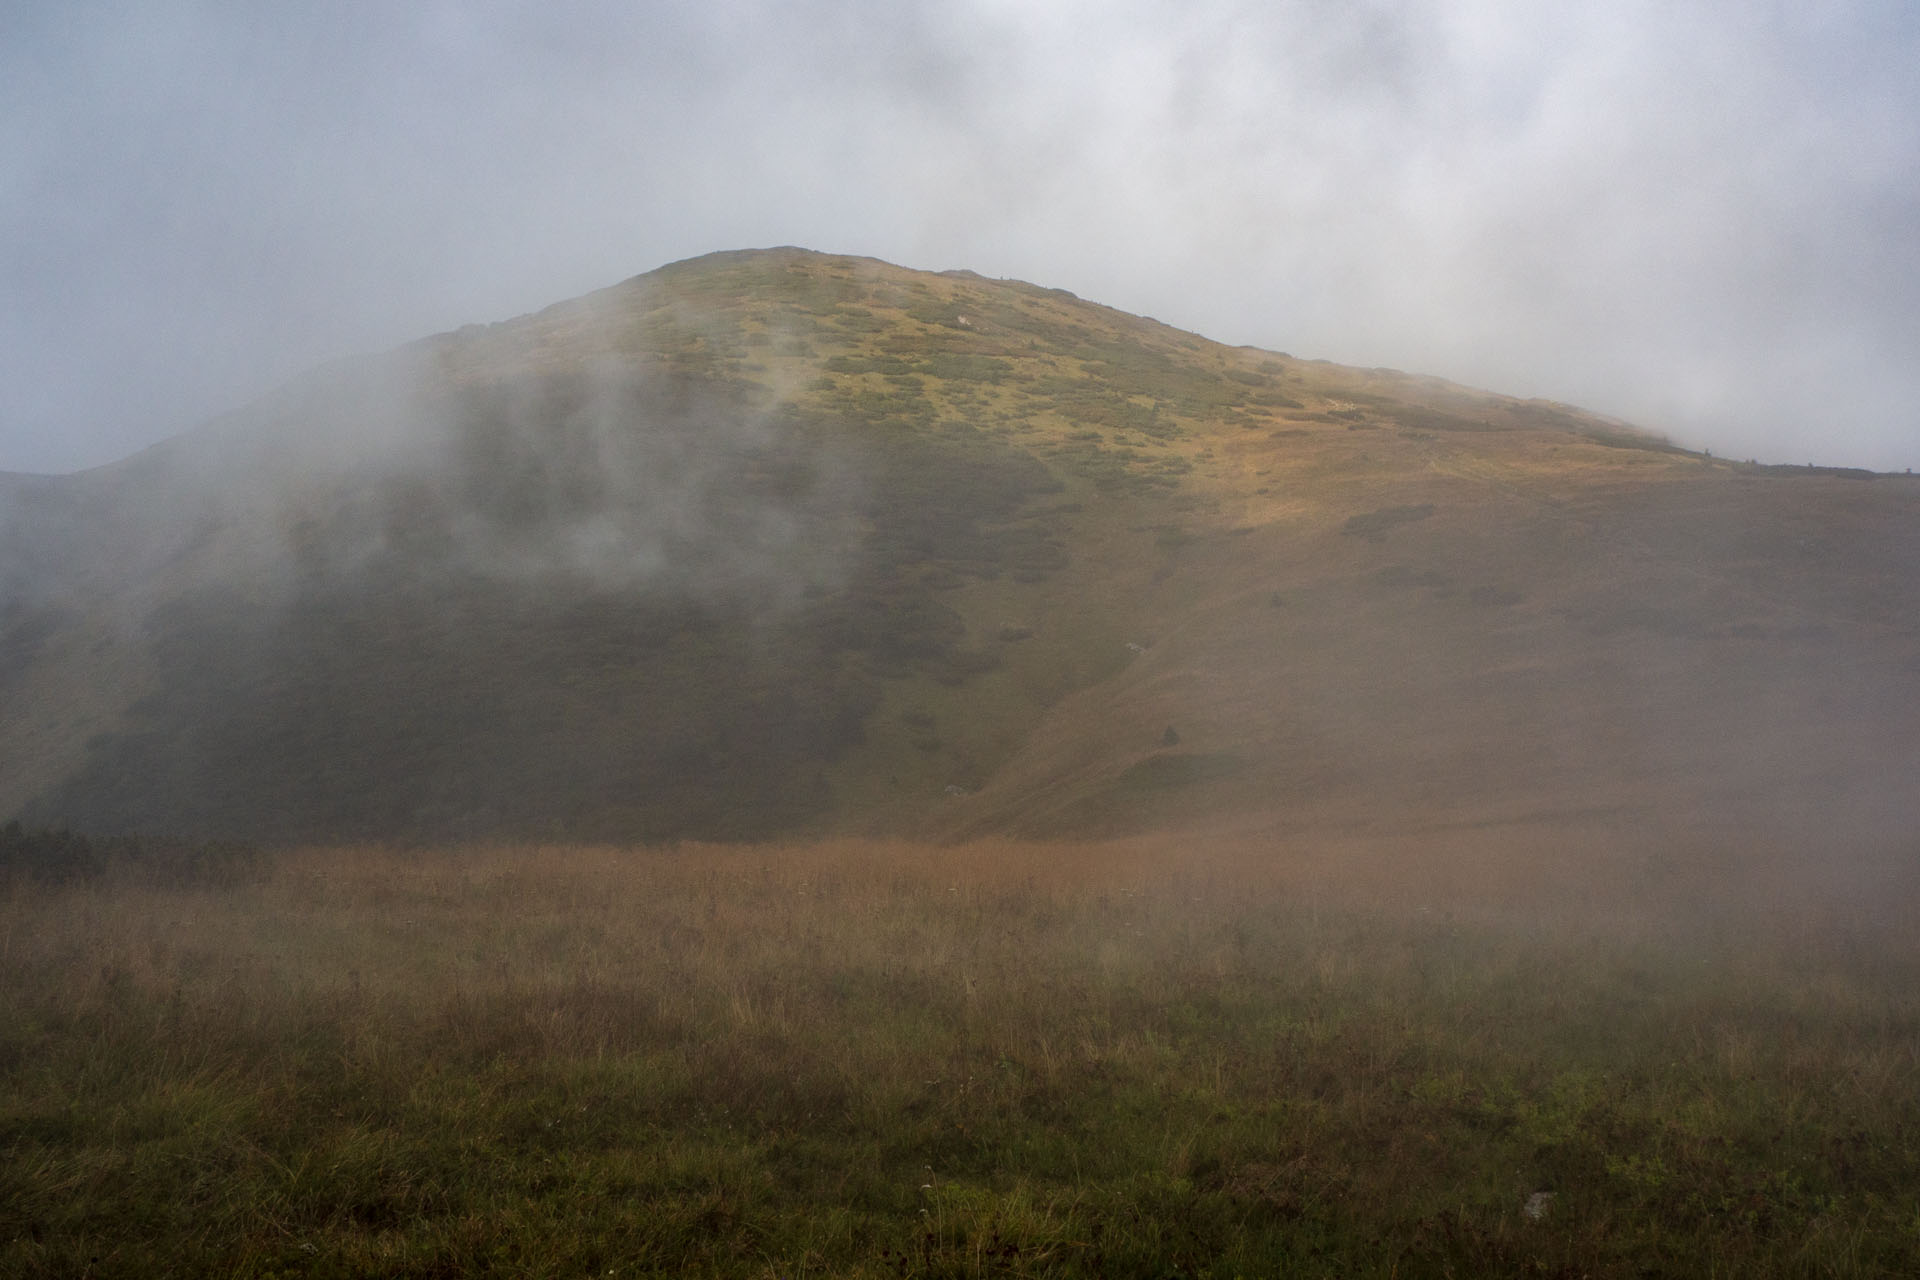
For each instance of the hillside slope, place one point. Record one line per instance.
(774, 542)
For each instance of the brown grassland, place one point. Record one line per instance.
(1226, 1053)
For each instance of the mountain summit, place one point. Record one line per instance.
(777, 542)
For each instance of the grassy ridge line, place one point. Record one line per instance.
(870, 1059)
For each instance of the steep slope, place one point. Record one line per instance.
(776, 541)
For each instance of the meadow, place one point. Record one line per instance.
(1237, 1053)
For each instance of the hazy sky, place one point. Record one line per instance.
(1704, 217)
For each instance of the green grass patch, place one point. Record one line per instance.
(1374, 523)
(1181, 769)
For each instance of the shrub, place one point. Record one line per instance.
(57, 856)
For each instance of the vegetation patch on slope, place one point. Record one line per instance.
(514, 637)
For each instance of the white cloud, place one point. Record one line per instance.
(1701, 216)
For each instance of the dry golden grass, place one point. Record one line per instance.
(1204, 1054)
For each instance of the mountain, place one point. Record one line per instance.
(778, 542)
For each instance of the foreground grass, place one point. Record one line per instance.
(873, 1060)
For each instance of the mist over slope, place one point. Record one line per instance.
(776, 542)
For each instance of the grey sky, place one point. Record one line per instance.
(1704, 217)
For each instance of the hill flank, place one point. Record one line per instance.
(777, 542)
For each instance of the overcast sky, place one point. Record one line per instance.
(1704, 217)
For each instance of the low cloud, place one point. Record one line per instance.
(1701, 217)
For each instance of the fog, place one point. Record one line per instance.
(1699, 217)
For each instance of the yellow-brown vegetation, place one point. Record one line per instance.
(1215, 1053)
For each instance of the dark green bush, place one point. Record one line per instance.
(58, 856)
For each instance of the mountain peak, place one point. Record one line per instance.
(772, 540)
